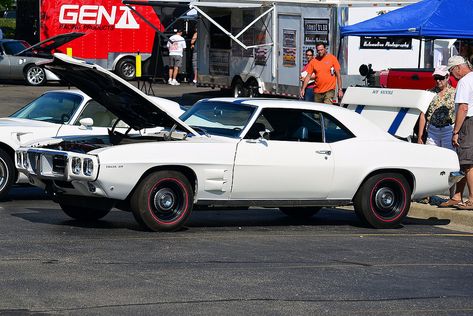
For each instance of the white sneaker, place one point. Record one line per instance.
(194, 81)
(175, 83)
(170, 81)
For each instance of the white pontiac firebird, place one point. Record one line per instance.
(298, 156)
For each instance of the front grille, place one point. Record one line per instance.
(47, 164)
(34, 159)
(59, 164)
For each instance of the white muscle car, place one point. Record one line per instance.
(54, 113)
(298, 156)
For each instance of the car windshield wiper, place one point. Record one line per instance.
(200, 129)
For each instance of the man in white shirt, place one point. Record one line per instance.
(462, 137)
(176, 45)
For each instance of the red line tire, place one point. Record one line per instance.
(163, 201)
(383, 200)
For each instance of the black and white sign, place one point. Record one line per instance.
(375, 42)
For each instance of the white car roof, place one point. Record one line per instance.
(356, 123)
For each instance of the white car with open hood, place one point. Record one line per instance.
(298, 156)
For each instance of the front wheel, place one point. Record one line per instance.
(7, 174)
(300, 212)
(383, 201)
(163, 201)
(83, 213)
(126, 69)
(35, 75)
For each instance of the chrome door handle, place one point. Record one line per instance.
(324, 152)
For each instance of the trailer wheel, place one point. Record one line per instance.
(252, 88)
(126, 69)
(238, 89)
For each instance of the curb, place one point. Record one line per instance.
(426, 211)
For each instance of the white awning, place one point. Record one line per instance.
(199, 5)
(236, 5)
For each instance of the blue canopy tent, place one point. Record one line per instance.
(427, 19)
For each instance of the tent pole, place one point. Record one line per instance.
(420, 51)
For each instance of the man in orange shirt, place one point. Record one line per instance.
(327, 72)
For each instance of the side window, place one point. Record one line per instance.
(101, 116)
(288, 125)
(334, 130)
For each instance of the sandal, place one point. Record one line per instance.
(449, 203)
(467, 205)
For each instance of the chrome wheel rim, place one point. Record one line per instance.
(3, 174)
(167, 201)
(128, 70)
(35, 75)
(387, 200)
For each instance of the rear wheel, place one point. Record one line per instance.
(35, 75)
(383, 201)
(83, 213)
(163, 201)
(300, 212)
(7, 173)
(126, 69)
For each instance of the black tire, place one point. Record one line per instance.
(126, 69)
(7, 174)
(383, 200)
(300, 212)
(163, 201)
(252, 89)
(35, 75)
(84, 213)
(238, 89)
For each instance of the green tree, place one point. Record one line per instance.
(5, 4)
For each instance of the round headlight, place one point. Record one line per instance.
(76, 165)
(88, 166)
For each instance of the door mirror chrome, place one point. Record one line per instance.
(86, 123)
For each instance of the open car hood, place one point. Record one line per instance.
(121, 98)
(53, 42)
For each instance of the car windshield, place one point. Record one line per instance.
(219, 118)
(14, 47)
(54, 107)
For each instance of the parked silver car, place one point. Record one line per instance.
(18, 58)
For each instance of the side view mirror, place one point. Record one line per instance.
(264, 134)
(86, 123)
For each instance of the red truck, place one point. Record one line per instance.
(114, 33)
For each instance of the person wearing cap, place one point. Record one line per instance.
(440, 115)
(176, 46)
(462, 136)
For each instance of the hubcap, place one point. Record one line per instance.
(384, 198)
(164, 199)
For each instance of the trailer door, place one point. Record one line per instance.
(289, 44)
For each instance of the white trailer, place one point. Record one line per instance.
(256, 47)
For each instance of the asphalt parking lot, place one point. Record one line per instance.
(234, 262)
(254, 261)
